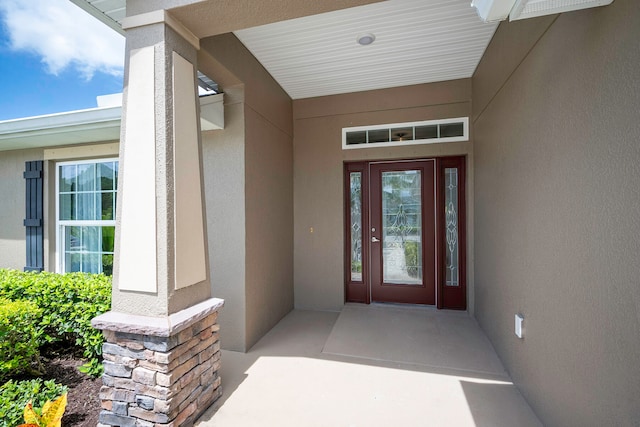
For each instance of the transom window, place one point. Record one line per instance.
(411, 133)
(85, 215)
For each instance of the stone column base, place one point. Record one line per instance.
(160, 372)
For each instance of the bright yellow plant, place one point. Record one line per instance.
(51, 414)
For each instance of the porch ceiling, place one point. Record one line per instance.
(416, 41)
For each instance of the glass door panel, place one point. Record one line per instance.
(402, 227)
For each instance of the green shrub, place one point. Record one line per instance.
(68, 302)
(19, 338)
(14, 396)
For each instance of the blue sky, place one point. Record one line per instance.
(55, 57)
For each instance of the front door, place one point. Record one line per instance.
(405, 237)
(402, 237)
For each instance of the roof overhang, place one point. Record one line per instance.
(69, 128)
(110, 12)
(498, 10)
(87, 126)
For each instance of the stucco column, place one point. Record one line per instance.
(161, 253)
(161, 354)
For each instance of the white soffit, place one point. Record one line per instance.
(111, 12)
(493, 10)
(417, 41)
(73, 127)
(523, 9)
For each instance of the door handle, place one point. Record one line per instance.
(374, 240)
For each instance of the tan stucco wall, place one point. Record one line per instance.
(269, 210)
(557, 167)
(266, 168)
(12, 206)
(223, 159)
(318, 173)
(12, 197)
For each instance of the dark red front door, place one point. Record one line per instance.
(405, 239)
(402, 234)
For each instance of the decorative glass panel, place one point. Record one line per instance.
(451, 218)
(355, 185)
(402, 227)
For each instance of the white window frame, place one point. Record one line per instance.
(60, 224)
(463, 138)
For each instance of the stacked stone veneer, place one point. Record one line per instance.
(157, 381)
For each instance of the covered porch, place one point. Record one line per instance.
(369, 365)
(540, 96)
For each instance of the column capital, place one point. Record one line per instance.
(157, 17)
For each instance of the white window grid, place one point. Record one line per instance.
(61, 224)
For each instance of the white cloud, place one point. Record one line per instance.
(63, 35)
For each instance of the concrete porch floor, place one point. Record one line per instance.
(373, 365)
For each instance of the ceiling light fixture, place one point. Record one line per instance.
(365, 39)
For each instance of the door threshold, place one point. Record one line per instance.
(404, 306)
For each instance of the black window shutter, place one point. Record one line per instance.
(34, 216)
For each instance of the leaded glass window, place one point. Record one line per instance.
(402, 227)
(355, 185)
(451, 218)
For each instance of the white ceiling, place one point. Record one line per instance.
(417, 41)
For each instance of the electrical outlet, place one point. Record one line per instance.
(519, 320)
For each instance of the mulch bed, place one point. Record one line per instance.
(83, 403)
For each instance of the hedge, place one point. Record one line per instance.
(68, 303)
(19, 338)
